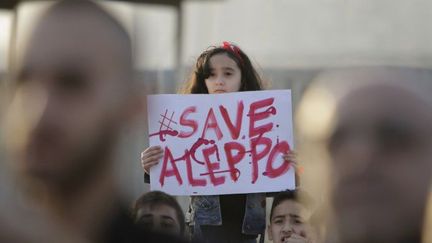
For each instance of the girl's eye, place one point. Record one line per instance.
(212, 74)
(228, 74)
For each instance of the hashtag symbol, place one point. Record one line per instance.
(166, 119)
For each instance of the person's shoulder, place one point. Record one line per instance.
(154, 237)
(122, 229)
(127, 232)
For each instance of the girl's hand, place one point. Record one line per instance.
(291, 157)
(150, 157)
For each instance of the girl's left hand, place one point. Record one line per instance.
(291, 157)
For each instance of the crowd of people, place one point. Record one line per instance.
(73, 91)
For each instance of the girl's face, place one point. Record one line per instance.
(225, 75)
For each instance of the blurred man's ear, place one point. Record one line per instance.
(269, 231)
(427, 232)
(136, 104)
(2, 98)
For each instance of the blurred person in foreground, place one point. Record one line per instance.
(73, 92)
(379, 146)
(18, 223)
(289, 218)
(159, 211)
(427, 226)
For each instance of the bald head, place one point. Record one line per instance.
(381, 151)
(74, 89)
(80, 32)
(384, 103)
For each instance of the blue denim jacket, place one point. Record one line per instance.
(206, 210)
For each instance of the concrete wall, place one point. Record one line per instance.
(314, 33)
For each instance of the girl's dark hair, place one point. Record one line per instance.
(250, 80)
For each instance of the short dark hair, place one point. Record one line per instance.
(298, 196)
(160, 198)
(250, 80)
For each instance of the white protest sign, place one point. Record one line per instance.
(223, 143)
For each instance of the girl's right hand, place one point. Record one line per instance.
(150, 157)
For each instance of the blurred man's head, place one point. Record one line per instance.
(159, 211)
(289, 218)
(381, 156)
(72, 92)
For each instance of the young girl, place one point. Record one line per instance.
(225, 218)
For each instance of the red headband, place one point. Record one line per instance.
(232, 48)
